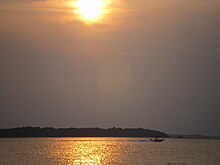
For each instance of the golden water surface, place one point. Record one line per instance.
(108, 151)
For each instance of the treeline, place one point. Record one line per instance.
(79, 132)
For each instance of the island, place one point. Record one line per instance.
(20, 132)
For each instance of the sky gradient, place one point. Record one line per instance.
(146, 63)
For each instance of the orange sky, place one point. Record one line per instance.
(167, 51)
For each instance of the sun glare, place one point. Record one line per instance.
(90, 10)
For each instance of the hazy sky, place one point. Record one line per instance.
(146, 63)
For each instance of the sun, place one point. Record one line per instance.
(90, 10)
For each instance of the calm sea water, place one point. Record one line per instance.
(109, 151)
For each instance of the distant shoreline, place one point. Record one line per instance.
(49, 132)
(35, 132)
(193, 136)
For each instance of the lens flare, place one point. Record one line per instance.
(114, 76)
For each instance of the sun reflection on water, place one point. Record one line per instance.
(107, 151)
(87, 151)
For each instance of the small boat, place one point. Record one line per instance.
(156, 140)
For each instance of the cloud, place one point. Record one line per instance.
(19, 1)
